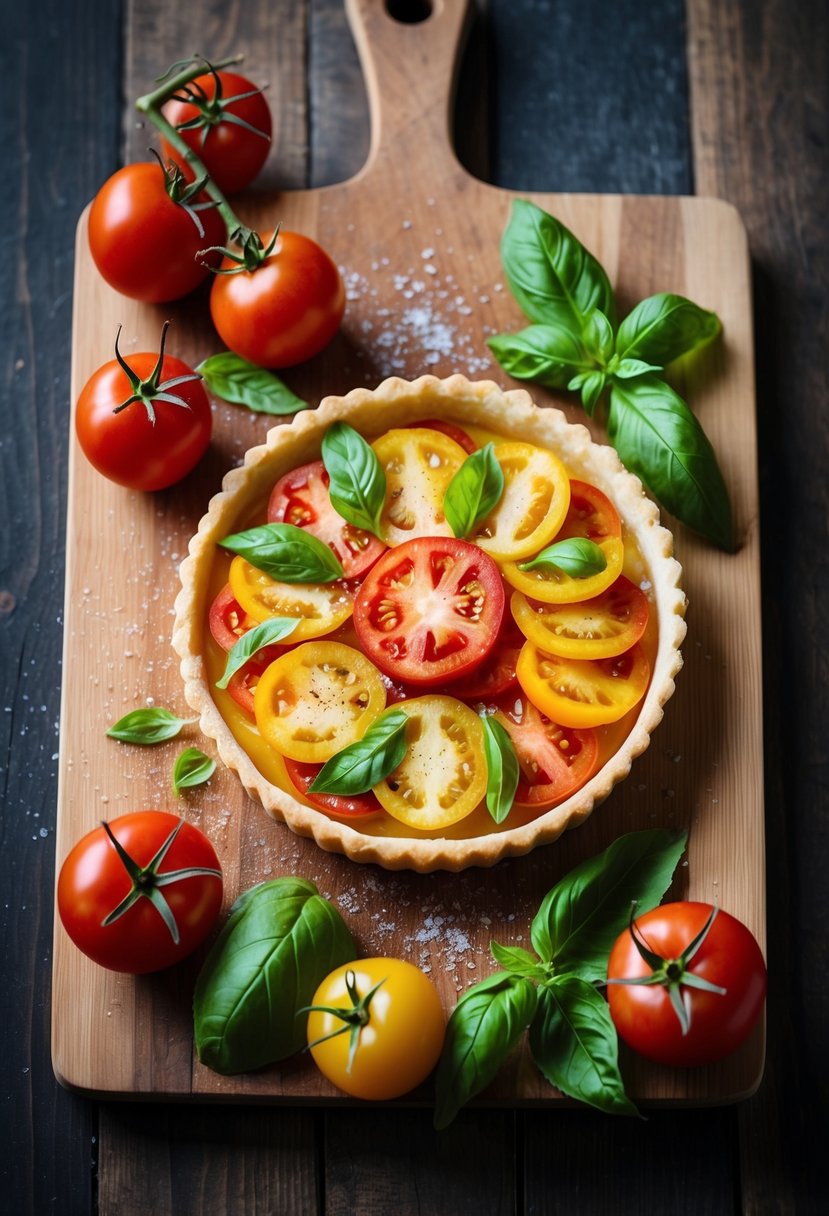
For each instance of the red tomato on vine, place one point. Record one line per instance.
(146, 229)
(226, 121)
(280, 301)
(144, 424)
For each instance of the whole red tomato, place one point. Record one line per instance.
(140, 893)
(707, 984)
(143, 241)
(144, 424)
(232, 150)
(286, 309)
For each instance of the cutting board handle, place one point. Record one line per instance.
(410, 71)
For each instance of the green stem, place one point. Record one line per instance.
(151, 105)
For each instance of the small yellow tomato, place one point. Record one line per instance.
(376, 1027)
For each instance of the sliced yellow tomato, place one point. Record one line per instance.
(532, 507)
(442, 777)
(583, 692)
(418, 463)
(319, 607)
(316, 699)
(598, 628)
(553, 586)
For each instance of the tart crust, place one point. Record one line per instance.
(397, 402)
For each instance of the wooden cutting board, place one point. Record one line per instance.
(417, 240)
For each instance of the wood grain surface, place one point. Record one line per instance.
(552, 97)
(417, 240)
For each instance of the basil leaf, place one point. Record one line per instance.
(501, 767)
(548, 353)
(279, 942)
(357, 483)
(234, 379)
(592, 388)
(286, 553)
(573, 1041)
(148, 726)
(519, 962)
(253, 640)
(626, 368)
(474, 491)
(577, 556)
(361, 765)
(658, 438)
(484, 1027)
(551, 274)
(192, 768)
(581, 917)
(663, 328)
(598, 335)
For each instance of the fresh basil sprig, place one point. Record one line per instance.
(358, 767)
(474, 491)
(279, 942)
(234, 379)
(357, 483)
(553, 991)
(192, 768)
(253, 640)
(574, 343)
(286, 553)
(502, 769)
(149, 726)
(576, 556)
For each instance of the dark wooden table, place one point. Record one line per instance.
(714, 97)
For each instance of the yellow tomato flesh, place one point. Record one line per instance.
(320, 608)
(532, 507)
(583, 692)
(443, 776)
(315, 700)
(418, 464)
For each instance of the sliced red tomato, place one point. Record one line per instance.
(583, 692)
(599, 628)
(242, 684)
(301, 498)
(430, 610)
(555, 761)
(227, 619)
(351, 806)
(452, 430)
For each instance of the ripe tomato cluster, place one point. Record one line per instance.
(443, 629)
(157, 231)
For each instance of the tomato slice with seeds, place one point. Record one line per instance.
(443, 776)
(583, 692)
(555, 761)
(598, 628)
(317, 699)
(430, 610)
(227, 619)
(418, 464)
(593, 516)
(350, 806)
(320, 608)
(532, 507)
(301, 498)
(452, 430)
(242, 684)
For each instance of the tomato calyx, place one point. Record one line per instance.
(251, 251)
(182, 192)
(146, 881)
(153, 388)
(213, 110)
(673, 974)
(353, 1018)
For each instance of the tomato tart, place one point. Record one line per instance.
(430, 625)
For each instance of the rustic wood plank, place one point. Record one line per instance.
(60, 140)
(760, 125)
(175, 1163)
(375, 1164)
